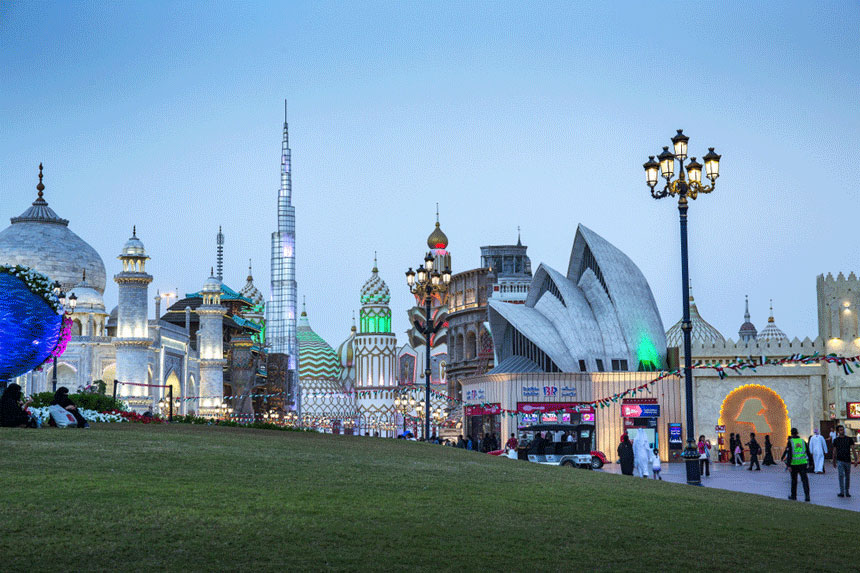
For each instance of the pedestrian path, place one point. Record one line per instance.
(772, 481)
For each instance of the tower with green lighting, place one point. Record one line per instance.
(375, 344)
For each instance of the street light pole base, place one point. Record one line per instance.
(691, 459)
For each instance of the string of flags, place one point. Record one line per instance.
(847, 363)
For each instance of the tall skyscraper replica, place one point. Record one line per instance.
(281, 320)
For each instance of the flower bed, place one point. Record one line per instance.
(90, 415)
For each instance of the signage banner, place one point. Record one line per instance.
(536, 407)
(720, 429)
(853, 410)
(676, 441)
(485, 410)
(640, 410)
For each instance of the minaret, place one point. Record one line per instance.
(747, 331)
(220, 260)
(281, 321)
(210, 345)
(132, 343)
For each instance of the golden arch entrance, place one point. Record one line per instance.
(756, 408)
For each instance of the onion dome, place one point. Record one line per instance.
(88, 298)
(437, 239)
(250, 291)
(702, 332)
(771, 333)
(41, 240)
(346, 353)
(375, 291)
(134, 246)
(747, 331)
(317, 360)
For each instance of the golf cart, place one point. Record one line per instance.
(578, 452)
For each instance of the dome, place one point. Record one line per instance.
(702, 332)
(250, 291)
(437, 239)
(41, 240)
(212, 284)
(747, 330)
(771, 333)
(134, 246)
(375, 291)
(316, 358)
(346, 350)
(88, 298)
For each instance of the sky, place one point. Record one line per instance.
(168, 116)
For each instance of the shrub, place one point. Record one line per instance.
(97, 402)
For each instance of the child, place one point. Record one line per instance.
(655, 465)
(738, 452)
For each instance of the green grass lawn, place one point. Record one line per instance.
(135, 497)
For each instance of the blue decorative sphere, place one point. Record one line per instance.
(29, 328)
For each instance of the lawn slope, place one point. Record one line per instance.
(135, 497)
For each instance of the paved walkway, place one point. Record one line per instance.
(772, 481)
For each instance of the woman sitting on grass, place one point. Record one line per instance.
(13, 413)
(61, 398)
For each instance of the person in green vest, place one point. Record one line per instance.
(797, 459)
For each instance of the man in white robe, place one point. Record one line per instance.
(818, 447)
(642, 454)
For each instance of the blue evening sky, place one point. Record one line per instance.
(167, 115)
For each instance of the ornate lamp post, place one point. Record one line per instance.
(682, 188)
(424, 283)
(73, 301)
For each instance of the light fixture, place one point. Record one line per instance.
(73, 301)
(651, 171)
(446, 276)
(667, 163)
(680, 144)
(421, 275)
(410, 277)
(712, 164)
(694, 170)
(428, 262)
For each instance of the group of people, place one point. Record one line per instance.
(637, 457)
(485, 443)
(14, 406)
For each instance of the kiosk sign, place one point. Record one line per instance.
(675, 440)
(640, 410)
(853, 410)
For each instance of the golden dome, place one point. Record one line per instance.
(437, 239)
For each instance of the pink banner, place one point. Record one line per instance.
(485, 410)
(535, 407)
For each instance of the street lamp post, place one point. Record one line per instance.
(73, 300)
(424, 283)
(682, 188)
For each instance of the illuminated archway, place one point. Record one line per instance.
(756, 408)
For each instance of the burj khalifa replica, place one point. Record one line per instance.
(281, 311)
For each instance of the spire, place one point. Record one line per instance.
(747, 308)
(134, 231)
(220, 258)
(40, 187)
(770, 319)
(519, 240)
(690, 287)
(250, 274)
(375, 269)
(211, 272)
(304, 306)
(353, 322)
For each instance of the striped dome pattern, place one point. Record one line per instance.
(317, 360)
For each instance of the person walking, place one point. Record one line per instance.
(818, 447)
(738, 452)
(655, 465)
(704, 457)
(768, 452)
(732, 448)
(625, 455)
(797, 460)
(755, 449)
(842, 460)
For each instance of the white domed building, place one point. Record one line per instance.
(125, 345)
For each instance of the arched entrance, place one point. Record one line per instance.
(756, 408)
